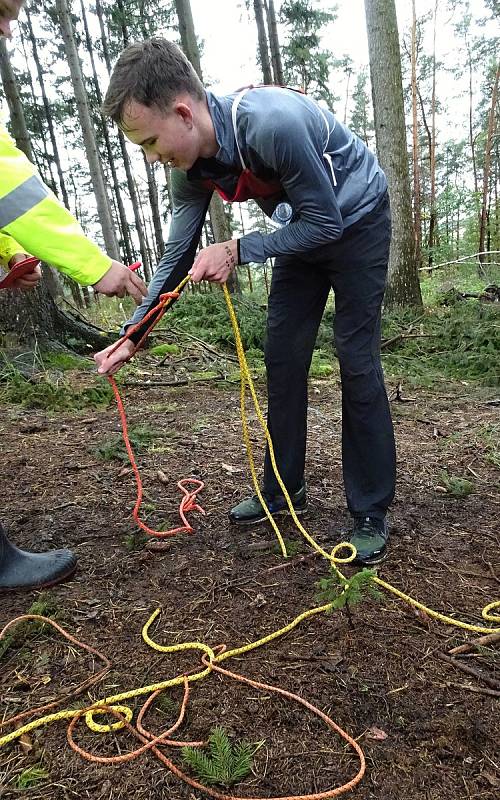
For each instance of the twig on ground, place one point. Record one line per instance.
(491, 682)
(481, 641)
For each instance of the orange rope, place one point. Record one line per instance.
(74, 692)
(150, 742)
(188, 502)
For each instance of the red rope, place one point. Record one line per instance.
(188, 502)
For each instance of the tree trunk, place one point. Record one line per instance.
(417, 209)
(34, 317)
(487, 161)
(263, 45)
(432, 151)
(143, 245)
(17, 119)
(105, 132)
(188, 35)
(274, 44)
(48, 114)
(220, 225)
(96, 173)
(155, 208)
(44, 165)
(403, 288)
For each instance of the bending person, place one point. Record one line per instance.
(306, 169)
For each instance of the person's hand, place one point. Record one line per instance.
(120, 280)
(30, 279)
(108, 363)
(215, 263)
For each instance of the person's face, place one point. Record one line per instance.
(166, 136)
(9, 12)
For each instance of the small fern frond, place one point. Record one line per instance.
(225, 764)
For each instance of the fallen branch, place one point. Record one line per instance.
(402, 336)
(491, 682)
(182, 382)
(475, 689)
(472, 257)
(481, 641)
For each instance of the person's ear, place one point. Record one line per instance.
(185, 113)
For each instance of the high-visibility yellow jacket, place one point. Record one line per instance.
(33, 221)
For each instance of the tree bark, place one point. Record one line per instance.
(17, 119)
(403, 287)
(221, 228)
(34, 317)
(487, 162)
(274, 44)
(96, 173)
(432, 151)
(143, 245)
(417, 208)
(263, 45)
(46, 106)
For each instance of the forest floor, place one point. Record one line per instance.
(428, 730)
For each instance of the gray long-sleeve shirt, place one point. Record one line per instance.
(323, 170)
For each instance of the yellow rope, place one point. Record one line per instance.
(246, 379)
(333, 558)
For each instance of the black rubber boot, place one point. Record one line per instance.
(20, 570)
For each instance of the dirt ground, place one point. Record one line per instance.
(428, 730)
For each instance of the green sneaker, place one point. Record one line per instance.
(369, 536)
(250, 511)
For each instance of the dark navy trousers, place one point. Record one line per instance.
(355, 267)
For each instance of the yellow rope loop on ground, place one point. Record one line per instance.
(486, 612)
(115, 726)
(333, 558)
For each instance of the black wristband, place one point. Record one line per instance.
(238, 251)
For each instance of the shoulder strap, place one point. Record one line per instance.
(234, 109)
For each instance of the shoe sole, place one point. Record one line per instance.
(264, 517)
(370, 562)
(61, 579)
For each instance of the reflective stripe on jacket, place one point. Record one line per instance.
(33, 221)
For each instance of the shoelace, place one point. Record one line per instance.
(369, 527)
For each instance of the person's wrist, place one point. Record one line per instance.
(230, 255)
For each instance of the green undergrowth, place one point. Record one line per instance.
(458, 342)
(113, 448)
(455, 486)
(17, 636)
(44, 391)
(65, 361)
(225, 763)
(351, 592)
(462, 277)
(206, 316)
(164, 350)
(453, 340)
(31, 777)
